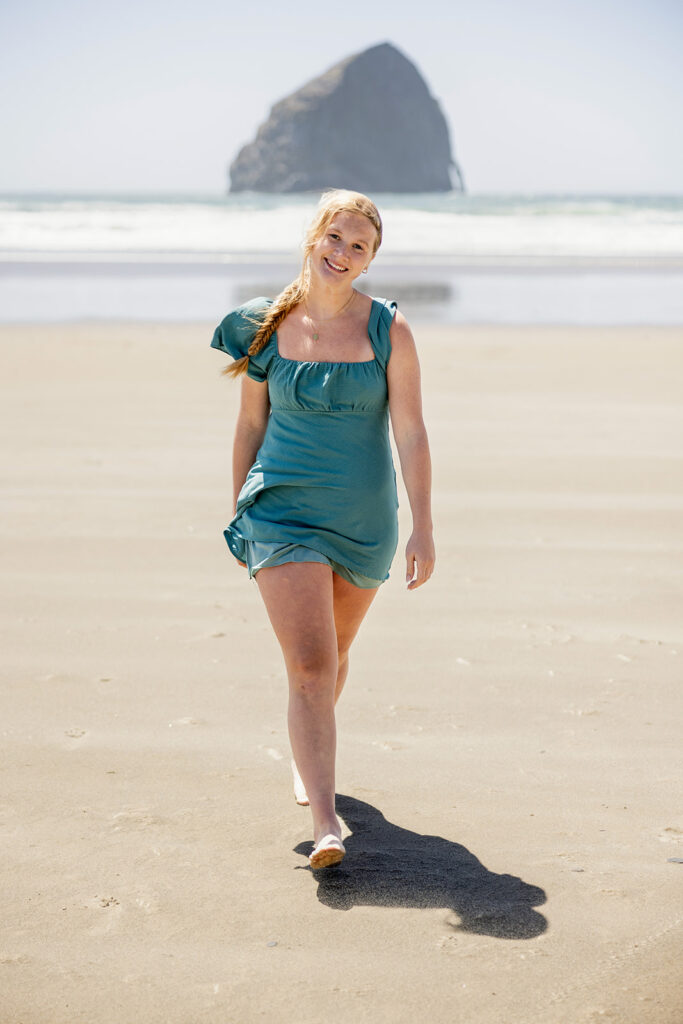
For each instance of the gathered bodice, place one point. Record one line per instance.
(323, 476)
(308, 386)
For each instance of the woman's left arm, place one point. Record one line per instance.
(405, 408)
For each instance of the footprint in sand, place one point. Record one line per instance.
(395, 709)
(75, 734)
(148, 904)
(130, 820)
(388, 745)
(108, 915)
(108, 901)
(672, 834)
(272, 752)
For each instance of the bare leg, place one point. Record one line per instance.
(315, 615)
(350, 606)
(299, 602)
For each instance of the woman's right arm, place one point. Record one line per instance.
(249, 432)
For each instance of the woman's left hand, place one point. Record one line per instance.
(419, 558)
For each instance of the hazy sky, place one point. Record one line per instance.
(580, 96)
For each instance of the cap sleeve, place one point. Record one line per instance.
(381, 318)
(235, 334)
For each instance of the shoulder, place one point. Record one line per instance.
(251, 311)
(400, 328)
(402, 340)
(258, 305)
(236, 330)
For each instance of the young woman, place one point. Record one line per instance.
(314, 483)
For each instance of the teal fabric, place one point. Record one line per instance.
(324, 476)
(262, 556)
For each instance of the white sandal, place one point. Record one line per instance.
(330, 850)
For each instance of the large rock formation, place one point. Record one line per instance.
(369, 123)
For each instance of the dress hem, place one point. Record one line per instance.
(238, 550)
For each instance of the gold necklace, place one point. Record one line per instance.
(316, 333)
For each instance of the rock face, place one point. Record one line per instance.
(369, 124)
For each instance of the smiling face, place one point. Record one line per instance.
(344, 249)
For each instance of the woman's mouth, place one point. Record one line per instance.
(334, 266)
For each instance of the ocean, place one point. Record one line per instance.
(593, 260)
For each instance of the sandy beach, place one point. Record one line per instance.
(509, 767)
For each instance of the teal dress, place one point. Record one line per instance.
(323, 485)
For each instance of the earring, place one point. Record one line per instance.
(365, 270)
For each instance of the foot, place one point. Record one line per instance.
(328, 851)
(300, 794)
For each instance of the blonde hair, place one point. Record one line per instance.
(331, 203)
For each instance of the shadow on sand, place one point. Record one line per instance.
(389, 866)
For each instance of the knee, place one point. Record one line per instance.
(313, 673)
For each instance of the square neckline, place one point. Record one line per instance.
(328, 362)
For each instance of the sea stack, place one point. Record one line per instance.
(369, 124)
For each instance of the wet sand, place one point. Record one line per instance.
(509, 739)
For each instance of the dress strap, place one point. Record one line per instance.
(381, 318)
